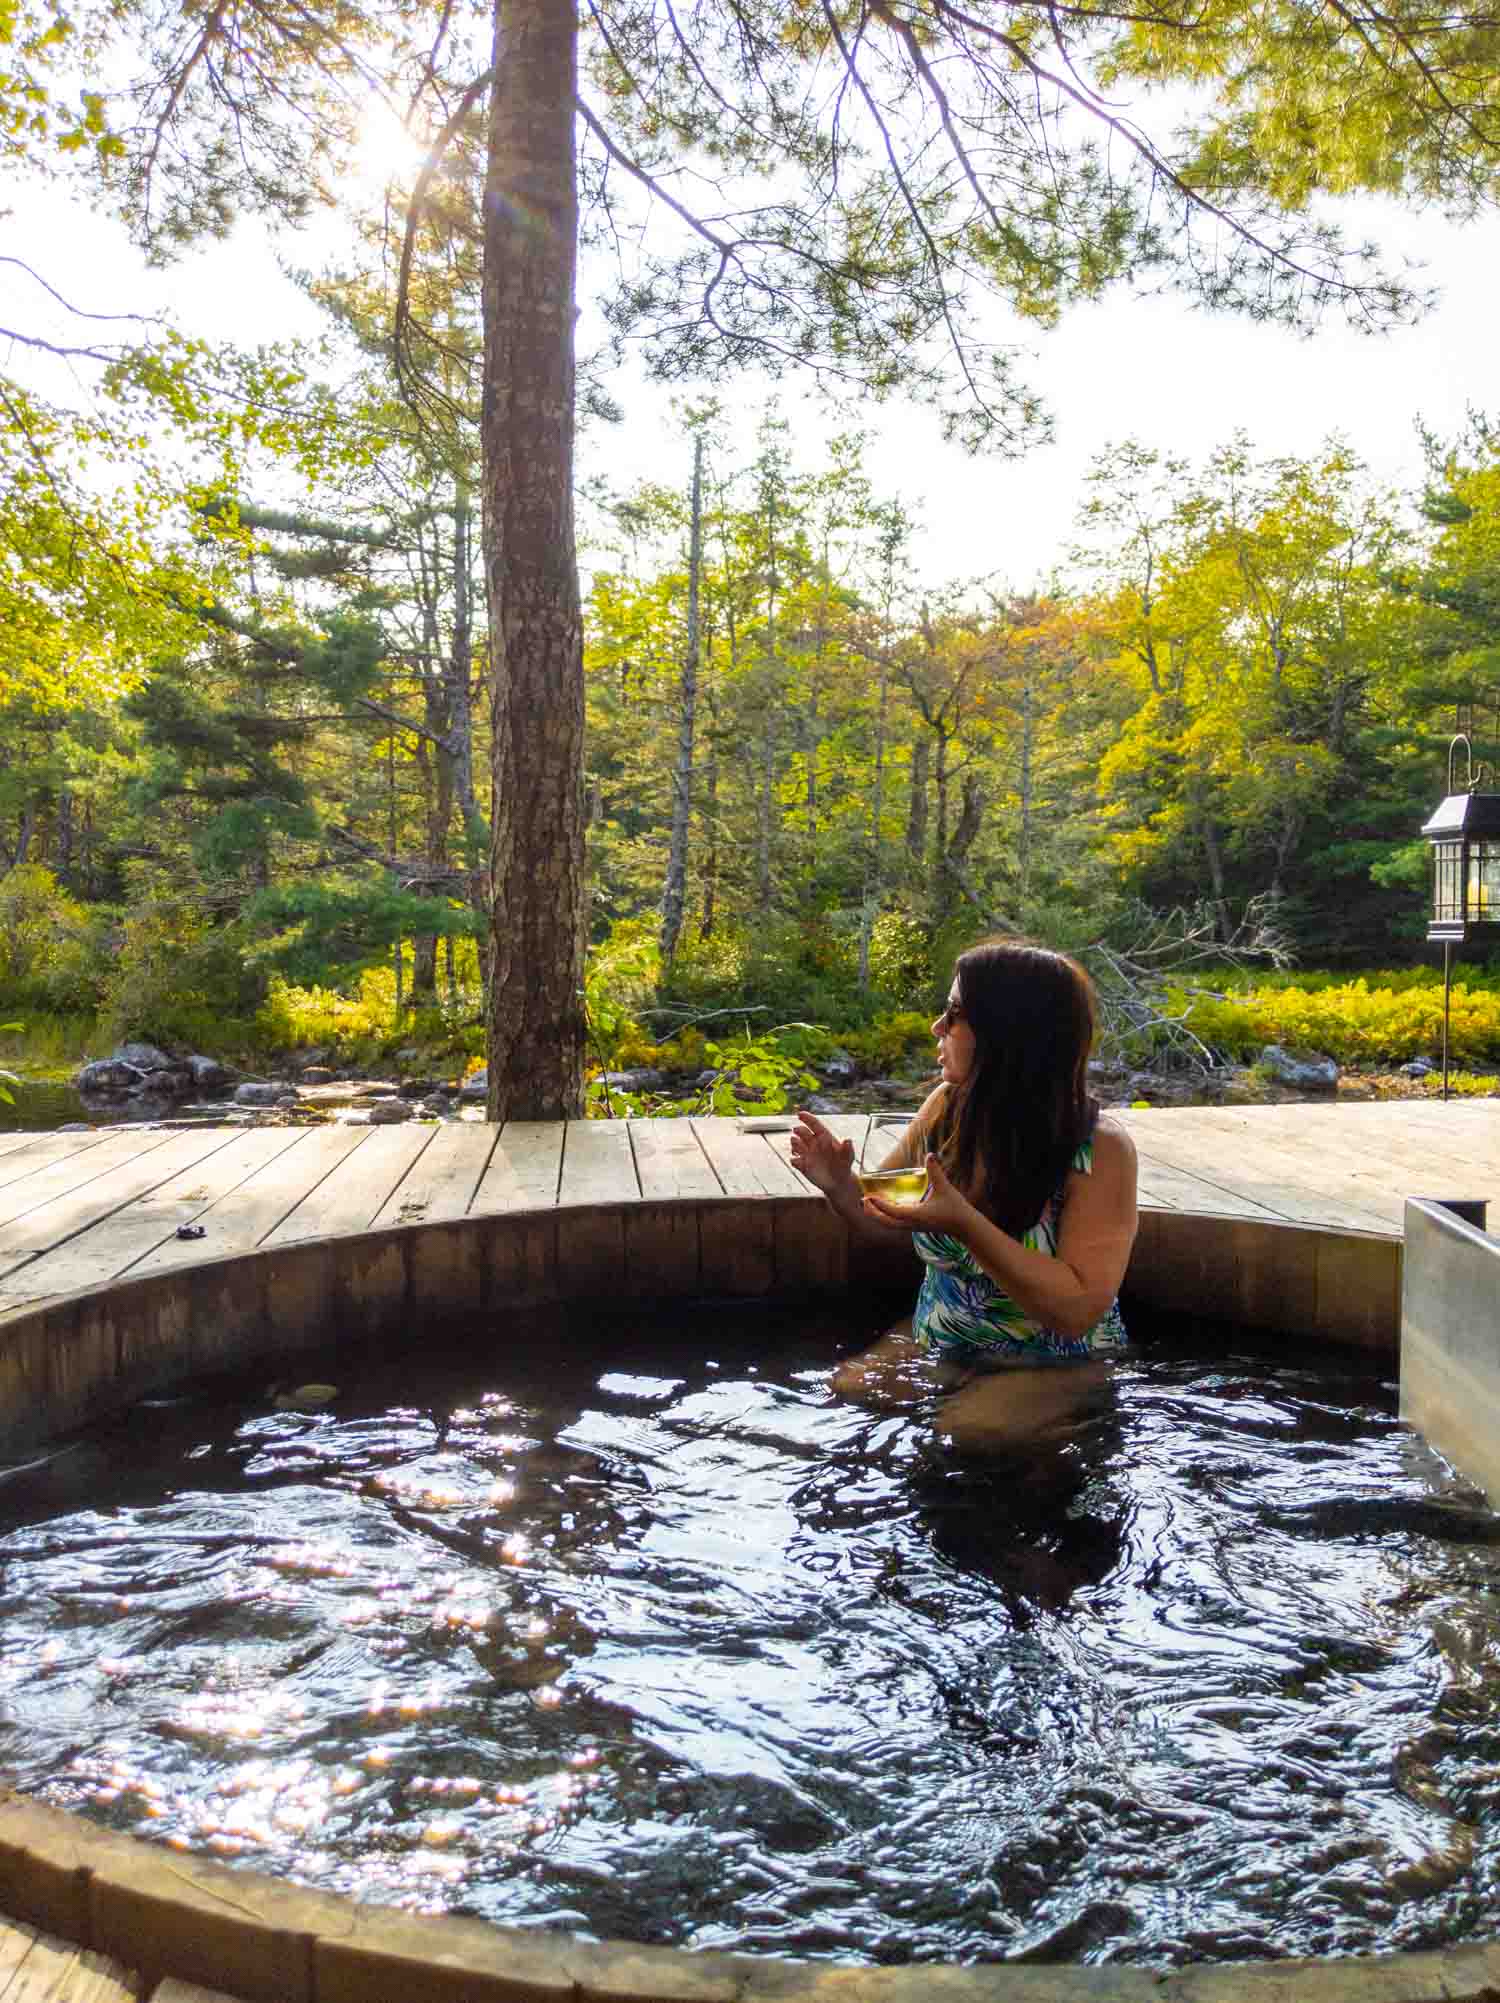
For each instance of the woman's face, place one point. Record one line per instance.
(955, 1040)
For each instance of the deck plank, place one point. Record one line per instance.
(18, 1138)
(1252, 1169)
(441, 1184)
(1171, 1186)
(50, 1224)
(747, 1164)
(358, 1184)
(81, 1209)
(16, 1941)
(55, 1971)
(68, 1169)
(1349, 1166)
(670, 1162)
(239, 1221)
(857, 1128)
(524, 1169)
(37, 1150)
(113, 1246)
(597, 1164)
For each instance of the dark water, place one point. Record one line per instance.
(39, 1106)
(645, 1637)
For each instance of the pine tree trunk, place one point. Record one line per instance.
(1213, 855)
(873, 855)
(765, 807)
(65, 835)
(458, 675)
(538, 912)
(711, 825)
(938, 880)
(1025, 841)
(674, 892)
(916, 806)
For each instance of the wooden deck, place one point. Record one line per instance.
(82, 1209)
(37, 1968)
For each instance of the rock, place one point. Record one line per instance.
(897, 1088)
(840, 1069)
(707, 1078)
(417, 1088)
(1419, 1067)
(76, 1127)
(377, 1090)
(635, 1081)
(262, 1095)
(814, 1104)
(409, 1055)
(176, 1082)
(1309, 1074)
(144, 1056)
(475, 1086)
(315, 1074)
(209, 1075)
(109, 1074)
(389, 1113)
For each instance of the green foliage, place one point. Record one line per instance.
(52, 949)
(901, 955)
(361, 1025)
(176, 980)
(331, 925)
(892, 1041)
(8, 1078)
(757, 1074)
(1351, 1021)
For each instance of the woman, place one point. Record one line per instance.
(1029, 1217)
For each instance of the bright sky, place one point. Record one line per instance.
(1153, 369)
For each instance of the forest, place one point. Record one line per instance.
(811, 777)
(264, 725)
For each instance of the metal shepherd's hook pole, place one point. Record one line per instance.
(1447, 995)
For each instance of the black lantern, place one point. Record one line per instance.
(1465, 837)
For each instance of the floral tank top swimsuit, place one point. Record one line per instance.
(962, 1316)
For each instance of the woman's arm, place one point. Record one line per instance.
(829, 1164)
(1073, 1290)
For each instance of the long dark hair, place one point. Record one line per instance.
(1016, 1122)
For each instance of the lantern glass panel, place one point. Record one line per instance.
(1447, 895)
(1482, 899)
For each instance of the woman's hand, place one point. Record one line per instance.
(943, 1208)
(827, 1163)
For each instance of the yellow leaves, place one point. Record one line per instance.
(1352, 1021)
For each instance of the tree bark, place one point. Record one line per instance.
(538, 911)
(674, 891)
(710, 811)
(916, 806)
(873, 871)
(458, 671)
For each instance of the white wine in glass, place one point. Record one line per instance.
(895, 1185)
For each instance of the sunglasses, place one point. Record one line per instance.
(951, 1014)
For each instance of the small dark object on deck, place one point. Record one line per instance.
(192, 1230)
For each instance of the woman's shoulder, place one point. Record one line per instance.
(1111, 1148)
(1106, 1150)
(1113, 1133)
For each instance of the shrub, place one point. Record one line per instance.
(176, 980)
(891, 1041)
(53, 951)
(1351, 1021)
